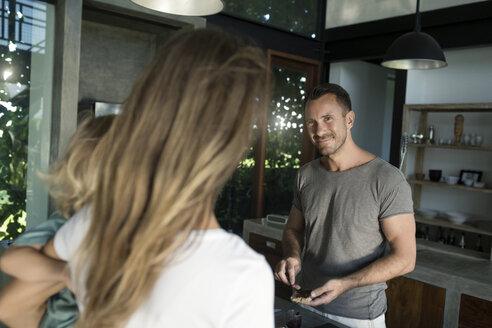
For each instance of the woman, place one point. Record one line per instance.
(36, 298)
(149, 251)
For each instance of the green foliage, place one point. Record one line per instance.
(284, 139)
(13, 169)
(297, 16)
(234, 201)
(14, 126)
(282, 161)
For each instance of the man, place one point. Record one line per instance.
(347, 205)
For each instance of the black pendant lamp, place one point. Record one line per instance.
(414, 50)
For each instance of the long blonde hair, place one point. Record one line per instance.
(70, 183)
(181, 133)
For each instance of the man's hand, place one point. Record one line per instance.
(286, 271)
(329, 291)
(292, 243)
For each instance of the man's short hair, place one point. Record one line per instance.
(342, 96)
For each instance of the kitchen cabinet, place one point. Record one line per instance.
(438, 154)
(272, 250)
(475, 312)
(429, 296)
(414, 304)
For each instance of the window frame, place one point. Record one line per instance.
(308, 153)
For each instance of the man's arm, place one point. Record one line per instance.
(400, 233)
(292, 244)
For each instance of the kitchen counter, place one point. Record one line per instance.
(310, 319)
(457, 273)
(261, 227)
(445, 269)
(439, 265)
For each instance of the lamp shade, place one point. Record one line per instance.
(183, 7)
(414, 50)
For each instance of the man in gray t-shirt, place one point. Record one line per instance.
(347, 205)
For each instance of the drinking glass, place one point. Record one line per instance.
(293, 319)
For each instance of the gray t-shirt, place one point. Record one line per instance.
(342, 212)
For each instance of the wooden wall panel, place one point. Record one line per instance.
(475, 312)
(414, 304)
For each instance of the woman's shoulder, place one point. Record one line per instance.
(229, 244)
(232, 254)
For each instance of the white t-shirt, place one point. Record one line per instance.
(221, 282)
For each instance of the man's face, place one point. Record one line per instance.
(326, 124)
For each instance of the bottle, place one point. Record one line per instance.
(478, 245)
(451, 239)
(462, 240)
(430, 136)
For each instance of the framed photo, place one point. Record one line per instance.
(467, 174)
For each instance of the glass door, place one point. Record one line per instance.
(283, 145)
(263, 181)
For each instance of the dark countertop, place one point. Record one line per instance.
(310, 319)
(440, 265)
(451, 268)
(459, 271)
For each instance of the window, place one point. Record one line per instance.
(235, 200)
(296, 16)
(281, 148)
(284, 144)
(285, 127)
(26, 68)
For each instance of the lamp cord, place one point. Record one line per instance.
(417, 17)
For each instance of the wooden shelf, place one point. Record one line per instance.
(451, 108)
(411, 144)
(447, 224)
(445, 185)
(422, 112)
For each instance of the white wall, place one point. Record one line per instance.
(347, 12)
(467, 79)
(371, 93)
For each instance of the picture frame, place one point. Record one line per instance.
(466, 174)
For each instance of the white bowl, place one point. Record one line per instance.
(427, 212)
(456, 217)
(479, 184)
(457, 220)
(449, 179)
